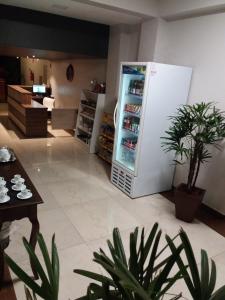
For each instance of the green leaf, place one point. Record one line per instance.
(55, 268)
(212, 281)
(95, 276)
(46, 257)
(182, 267)
(23, 276)
(46, 287)
(219, 294)
(119, 249)
(133, 261)
(204, 274)
(191, 261)
(150, 267)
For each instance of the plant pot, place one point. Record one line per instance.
(186, 203)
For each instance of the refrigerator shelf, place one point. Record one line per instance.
(84, 130)
(128, 148)
(88, 106)
(140, 97)
(108, 136)
(131, 113)
(130, 131)
(86, 116)
(105, 158)
(105, 147)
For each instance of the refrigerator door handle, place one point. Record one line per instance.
(115, 114)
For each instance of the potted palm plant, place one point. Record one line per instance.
(145, 272)
(192, 130)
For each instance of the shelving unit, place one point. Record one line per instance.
(89, 119)
(106, 138)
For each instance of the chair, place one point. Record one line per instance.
(49, 103)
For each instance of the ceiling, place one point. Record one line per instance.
(80, 10)
(113, 12)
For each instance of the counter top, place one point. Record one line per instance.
(34, 104)
(20, 89)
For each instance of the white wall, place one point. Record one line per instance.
(66, 93)
(149, 30)
(142, 7)
(123, 46)
(200, 43)
(37, 67)
(177, 8)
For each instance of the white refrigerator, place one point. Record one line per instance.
(148, 94)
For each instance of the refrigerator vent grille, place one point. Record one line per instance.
(122, 180)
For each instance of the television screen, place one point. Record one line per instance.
(39, 89)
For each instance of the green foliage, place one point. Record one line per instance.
(49, 287)
(191, 131)
(201, 284)
(142, 276)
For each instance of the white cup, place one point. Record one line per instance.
(19, 185)
(25, 192)
(2, 183)
(4, 154)
(2, 188)
(17, 177)
(3, 193)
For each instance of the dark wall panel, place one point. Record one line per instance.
(29, 29)
(10, 69)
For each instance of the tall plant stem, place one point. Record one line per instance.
(192, 168)
(196, 173)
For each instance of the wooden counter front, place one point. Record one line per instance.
(20, 94)
(31, 117)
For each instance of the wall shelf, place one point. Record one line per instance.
(106, 138)
(85, 121)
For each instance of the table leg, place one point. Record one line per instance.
(2, 265)
(34, 232)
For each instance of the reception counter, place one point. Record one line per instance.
(30, 116)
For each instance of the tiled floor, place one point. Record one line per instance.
(82, 207)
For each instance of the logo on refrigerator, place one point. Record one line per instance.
(153, 70)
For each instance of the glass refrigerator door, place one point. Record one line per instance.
(129, 114)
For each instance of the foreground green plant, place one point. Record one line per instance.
(192, 130)
(200, 283)
(49, 287)
(145, 275)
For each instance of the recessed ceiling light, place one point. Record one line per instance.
(60, 7)
(17, 57)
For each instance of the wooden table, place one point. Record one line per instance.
(17, 209)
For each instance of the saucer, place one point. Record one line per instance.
(20, 180)
(6, 199)
(15, 188)
(20, 196)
